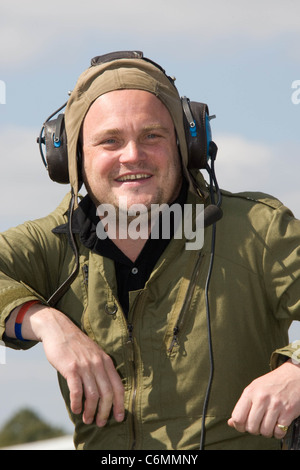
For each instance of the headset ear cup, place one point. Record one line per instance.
(56, 150)
(197, 131)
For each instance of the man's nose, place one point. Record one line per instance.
(132, 152)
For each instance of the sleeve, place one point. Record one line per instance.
(281, 262)
(31, 259)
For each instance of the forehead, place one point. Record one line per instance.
(127, 103)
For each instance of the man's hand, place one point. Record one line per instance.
(88, 370)
(268, 401)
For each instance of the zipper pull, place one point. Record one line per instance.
(85, 273)
(174, 341)
(130, 343)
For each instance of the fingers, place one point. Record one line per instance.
(76, 393)
(275, 430)
(258, 418)
(106, 393)
(118, 393)
(100, 387)
(271, 430)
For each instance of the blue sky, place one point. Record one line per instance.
(239, 57)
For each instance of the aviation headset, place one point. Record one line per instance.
(202, 153)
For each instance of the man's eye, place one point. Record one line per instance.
(109, 141)
(152, 136)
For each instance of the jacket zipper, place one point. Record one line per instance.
(186, 303)
(133, 361)
(130, 342)
(132, 358)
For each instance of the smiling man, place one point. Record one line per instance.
(139, 327)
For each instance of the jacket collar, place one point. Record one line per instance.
(85, 220)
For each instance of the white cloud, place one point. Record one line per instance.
(29, 29)
(244, 165)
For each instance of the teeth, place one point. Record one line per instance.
(133, 177)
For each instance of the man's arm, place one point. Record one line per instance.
(274, 398)
(88, 370)
(268, 401)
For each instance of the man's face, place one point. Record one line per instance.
(129, 149)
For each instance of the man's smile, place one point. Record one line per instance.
(133, 177)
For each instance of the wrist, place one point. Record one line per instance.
(23, 322)
(20, 317)
(40, 323)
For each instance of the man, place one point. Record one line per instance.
(129, 336)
